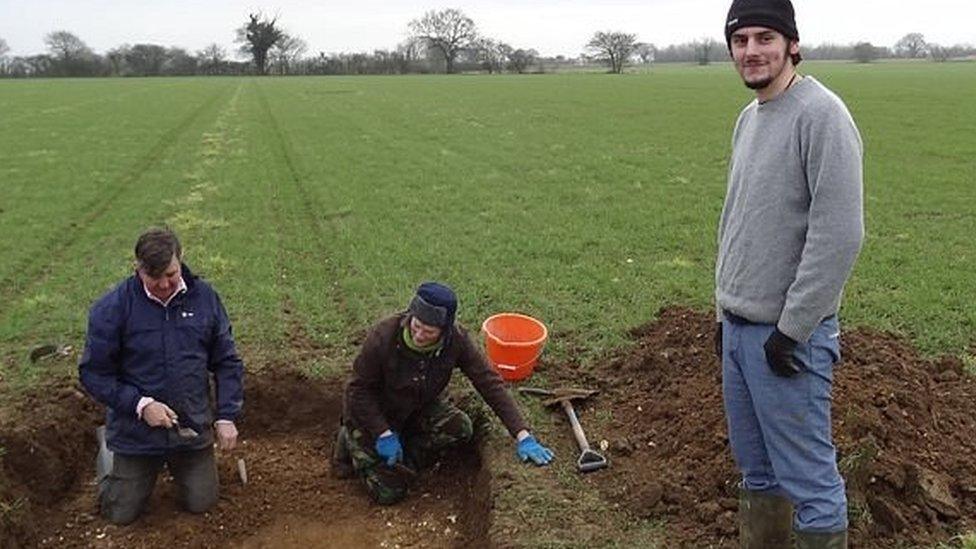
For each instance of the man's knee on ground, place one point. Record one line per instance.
(118, 512)
(196, 476)
(120, 516)
(199, 501)
(122, 501)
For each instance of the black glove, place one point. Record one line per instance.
(779, 354)
(718, 341)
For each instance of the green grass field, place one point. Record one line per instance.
(316, 205)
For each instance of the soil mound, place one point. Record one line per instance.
(42, 440)
(903, 425)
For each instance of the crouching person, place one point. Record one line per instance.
(153, 344)
(395, 418)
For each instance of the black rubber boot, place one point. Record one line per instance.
(341, 460)
(833, 540)
(765, 521)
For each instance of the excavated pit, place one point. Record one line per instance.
(291, 499)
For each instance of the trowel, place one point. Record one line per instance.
(105, 458)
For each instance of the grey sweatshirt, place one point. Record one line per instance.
(793, 222)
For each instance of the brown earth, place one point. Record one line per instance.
(903, 425)
(291, 499)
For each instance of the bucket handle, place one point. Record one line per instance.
(512, 368)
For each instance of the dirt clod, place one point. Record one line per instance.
(934, 488)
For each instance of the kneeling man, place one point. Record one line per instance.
(154, 342)
(394, 413)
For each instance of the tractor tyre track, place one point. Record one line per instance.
(310, 210)
(296, 344)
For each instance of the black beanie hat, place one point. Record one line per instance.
(773, 14)
(434, 304)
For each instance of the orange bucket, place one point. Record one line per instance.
(513, 343)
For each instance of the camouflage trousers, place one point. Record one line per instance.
(437, 426)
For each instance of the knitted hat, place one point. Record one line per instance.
(772, 14)
(434, 304)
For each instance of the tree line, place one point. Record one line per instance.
(439, 41)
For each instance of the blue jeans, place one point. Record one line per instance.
(779, 427)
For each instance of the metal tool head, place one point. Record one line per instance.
(184, 432)
(571, 395)
(42, 351)
(591, 461)
(560, 394)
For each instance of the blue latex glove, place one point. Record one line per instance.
(389, 449)
(530, 449)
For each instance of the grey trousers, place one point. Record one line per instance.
(124, 492)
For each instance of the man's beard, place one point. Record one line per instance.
(759, 84)
(765, 82)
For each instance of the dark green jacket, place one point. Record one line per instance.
(390, 382)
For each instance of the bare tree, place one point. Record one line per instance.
(492, 54)
(519, 60)
(179, 62)
(212, 58)
(911, 45)
(286, 51)
(65, 45)
(447, 31)
(413, 48)
(613, 47)
(72, 56)
(645, 52)
(409, 53)
(865, 52)
(116, 59)
(686, 52)
(257, 37)
(4, 48)
(145, 59)
(962, 50)
(385, 62)
(39, 65)
(704, 49)
(938, 53)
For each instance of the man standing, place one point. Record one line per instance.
(790, 231)
(153, 343)
(395, 418)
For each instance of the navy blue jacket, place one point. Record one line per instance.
(136, 347)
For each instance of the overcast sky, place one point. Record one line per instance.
(552, 27)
